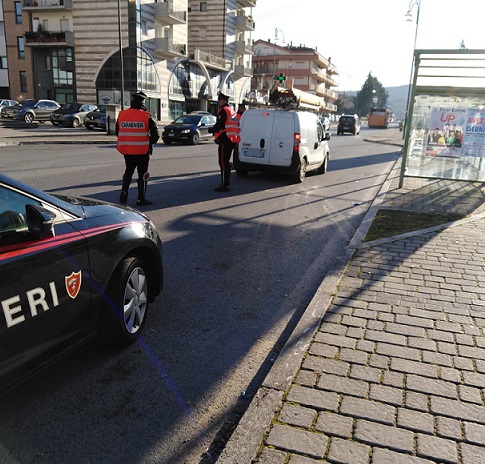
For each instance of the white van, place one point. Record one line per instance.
(292, 142)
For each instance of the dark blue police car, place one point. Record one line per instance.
(71, 269)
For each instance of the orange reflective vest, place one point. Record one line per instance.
(133, 132)
(232, 129)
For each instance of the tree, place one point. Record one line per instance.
(372, 95)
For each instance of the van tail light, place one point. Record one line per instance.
(296, 142)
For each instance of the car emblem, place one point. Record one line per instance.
(73, 284)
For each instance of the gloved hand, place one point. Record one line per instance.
(210, 130)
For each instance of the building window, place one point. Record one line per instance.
(23, 81)
(144, 27)
(18, 13)
(3, 62)
(203, 6)
(64, 25)
(21, 47)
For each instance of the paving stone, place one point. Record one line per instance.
(448, 428)
(348, 452)
(474, 433)
(386, 394)
(297, 415)
(415, 420)
(474, 379)
(365, 409)
(353, 356)
(385, 456)
(470, 394)
(398, 351)
(457, 409)
(330, 366)
(292, 439)
(440, 449)
(336, 340)
(294, 459)
(306, 378)
(369, 374)
(344, 385)
(321, 349)
(379, 336)
(471, 454)
(272, 456)
(318, 399)
(417, 401)
(334, 424)
(384, 436)
(431, 386)
(394, 379)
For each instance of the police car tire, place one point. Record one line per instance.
(126, 305)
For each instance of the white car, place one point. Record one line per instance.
(291, 142)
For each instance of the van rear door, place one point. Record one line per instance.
(282, 138)
(256, 130)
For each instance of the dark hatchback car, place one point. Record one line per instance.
(71, 114)
(189, 128)
(72, 269)
(348, 123)
(96, 119)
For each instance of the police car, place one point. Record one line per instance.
(70, 269)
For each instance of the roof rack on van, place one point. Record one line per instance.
(286, 99)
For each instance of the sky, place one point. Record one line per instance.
(362, 36)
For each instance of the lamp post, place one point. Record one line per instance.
(122, 70)
(276, 32)
(409, 19)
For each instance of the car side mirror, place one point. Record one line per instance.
(40, 221)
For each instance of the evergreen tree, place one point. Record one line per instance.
(372, 95)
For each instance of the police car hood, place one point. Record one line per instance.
(91, 208)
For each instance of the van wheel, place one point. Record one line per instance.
(300, 175)
(323, 168)
(241, 172)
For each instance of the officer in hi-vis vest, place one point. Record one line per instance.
(137, 132)
(226, 135)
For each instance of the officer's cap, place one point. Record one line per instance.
(140, 96)
(222, 96)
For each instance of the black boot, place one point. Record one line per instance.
(124, 190)
(142, 201)
(225, 181)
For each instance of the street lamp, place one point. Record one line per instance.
(120, 44)
(409, 19)
(276, 32)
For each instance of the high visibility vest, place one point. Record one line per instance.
(133, 132)
(232, 129)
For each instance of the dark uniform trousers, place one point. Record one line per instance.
(140, 162)
(225, 149)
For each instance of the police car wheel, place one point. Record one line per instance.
(127, 303)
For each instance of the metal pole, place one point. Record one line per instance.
(121, 57)
(412, 3)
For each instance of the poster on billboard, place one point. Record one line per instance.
(474, 137)
(446, 132)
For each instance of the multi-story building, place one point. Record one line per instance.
(302, 68)
(179, 52)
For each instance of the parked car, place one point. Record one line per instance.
(32, 110)
(189, 128)
(96, 119)
(348, 123)
(73, 269)
(71, 114)
(291, 142)
(5, 104)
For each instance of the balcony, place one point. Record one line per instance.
(164, 48)
(47, 5)
(244, 23)
(242, 71)
(165, 14)
(49, 39)
(210, 60)
(247, 3)
(242, 47)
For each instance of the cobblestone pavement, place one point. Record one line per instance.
(394, 370)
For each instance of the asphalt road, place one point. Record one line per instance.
(240, 269)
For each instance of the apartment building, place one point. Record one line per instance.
(302, 67)
(179, 52)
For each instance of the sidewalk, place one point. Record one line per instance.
(387, 365)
